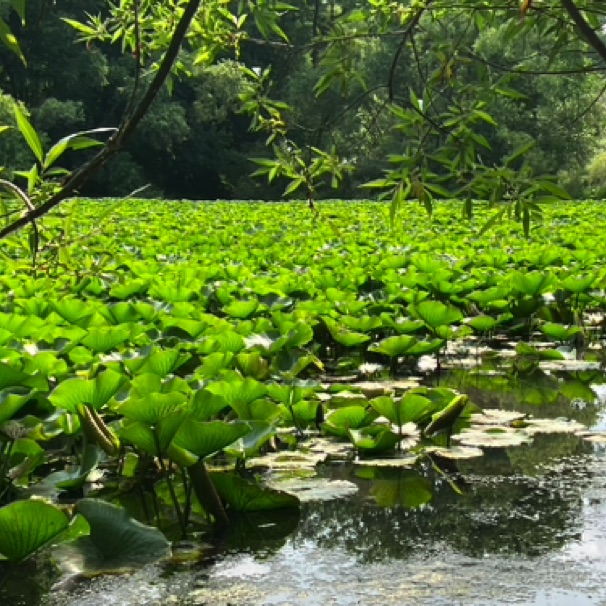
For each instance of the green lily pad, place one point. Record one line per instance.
(116, 543)
(27, 526)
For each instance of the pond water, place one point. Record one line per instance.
(523, 525)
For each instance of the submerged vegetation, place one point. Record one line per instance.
(178, 359)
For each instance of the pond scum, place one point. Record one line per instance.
(166, 367)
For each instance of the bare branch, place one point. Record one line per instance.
(117, 141)
(586, 30)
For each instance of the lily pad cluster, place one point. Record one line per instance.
(172, 347)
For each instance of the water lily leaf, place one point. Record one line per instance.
(250, 443)
(214, 363)
(456, 452)
(288, 460)
(241, 395)
(309, 490)
(446, 418)
(13, 377)
(496, 416)
(206, 405)
(207, 438)
(559, 332)
(492, 437)
(536, 426)
(482, 323)
(340, 421)
(242, 495)
(394, 346)
(12, 400)
(27, 526)
(225, 341)
(374, 439)
(241, 309)
(578, 284)
(342, 335)
(406, 460)
(105, 338)
(73, 480)
(152, 407)
(95, 392)
(411, 407)
(74, 311)
(436, 313)
(532, 283)
(160, 362)
(116, 541)
(252, 365)
(423, 348)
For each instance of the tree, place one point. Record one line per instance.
(442, 110)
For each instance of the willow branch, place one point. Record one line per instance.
(407, 32)
(80, 176)
(586, 30)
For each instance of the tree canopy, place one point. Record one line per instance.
(416, 100)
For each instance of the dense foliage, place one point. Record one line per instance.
(234, 333)
(439, 91)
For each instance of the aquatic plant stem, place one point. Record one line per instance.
(169, 483)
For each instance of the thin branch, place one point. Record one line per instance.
(407, 32)
(117, 141)
(19, 193)
(586, 30)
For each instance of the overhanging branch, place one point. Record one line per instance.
(586, 30)
(80, 176)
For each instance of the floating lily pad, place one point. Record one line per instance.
(597, 437)
(330, 448)
(492, 436)
(495, 416)
(315, 489)
(287, 460)
(456, 452)
(535, 426)
(405, 461)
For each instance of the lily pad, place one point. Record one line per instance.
(456, 452)
(404, 461)
(536, 426)
(495, 416)
(288, 460)
(315, 489)
(116, 544)
(492, 436)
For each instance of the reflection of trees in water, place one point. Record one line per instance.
(505, 514)
(540, 393)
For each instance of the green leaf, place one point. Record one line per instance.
(340, 421)
(394, 346)
(242, 495)
(27, 526)
(411, 408)
(95, 392)
(207, 438)
(446, 418)
(374, 439)
(27, 130)
(436, 314)
(8, 39)
(559, 332)
(153, 407)
(117, 537)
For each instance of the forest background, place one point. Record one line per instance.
(366, 90)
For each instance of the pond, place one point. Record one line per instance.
(521, 525)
